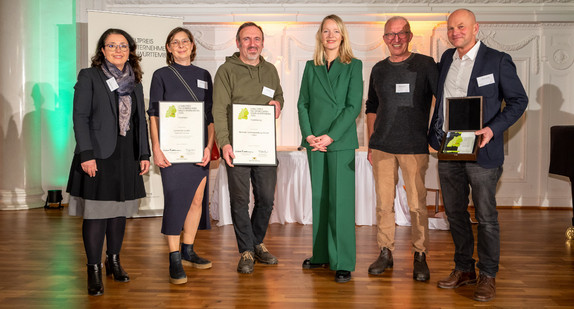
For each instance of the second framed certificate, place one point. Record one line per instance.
(253, 134)
(181, 131)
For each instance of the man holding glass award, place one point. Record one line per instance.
(472, 74)
(247, 99)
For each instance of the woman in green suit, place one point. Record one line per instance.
(329, 102)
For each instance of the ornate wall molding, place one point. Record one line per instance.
(487, 34)
(488, 39)
(198, 36)
(561, 59)
(353, 2)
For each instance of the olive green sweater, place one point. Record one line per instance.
(238, 82)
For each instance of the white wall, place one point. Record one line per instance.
(539, 35)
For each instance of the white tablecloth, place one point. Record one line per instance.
(293, 192)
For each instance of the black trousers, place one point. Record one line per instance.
(250, 231)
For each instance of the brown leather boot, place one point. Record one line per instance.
(485, 288)
(457, 278)
(384, 261)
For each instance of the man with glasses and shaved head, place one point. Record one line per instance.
(401, 88)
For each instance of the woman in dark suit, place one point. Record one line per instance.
(330, 100)
(184, 184)
(112, 152)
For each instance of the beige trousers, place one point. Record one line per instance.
(385, 170)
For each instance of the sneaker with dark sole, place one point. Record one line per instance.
(262, 255)
(245, 265)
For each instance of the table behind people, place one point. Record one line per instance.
(293, 192)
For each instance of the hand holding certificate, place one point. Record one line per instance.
(253, 134)
(181, 131)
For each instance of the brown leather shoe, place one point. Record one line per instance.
(457, 278)
(485, 288)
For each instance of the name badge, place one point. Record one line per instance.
(201, 84)
(268, 92)
(402, 88)
(485, 80)
(112, 84)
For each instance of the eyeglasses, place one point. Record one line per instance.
(183, 42)
(392, 35)
(122, 47)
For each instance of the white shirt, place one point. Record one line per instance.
(458, 77)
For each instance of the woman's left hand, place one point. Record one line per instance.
(144, 166)
(206, 157)
(321, 142)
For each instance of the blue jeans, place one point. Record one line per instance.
(251, 231)
(456, 179)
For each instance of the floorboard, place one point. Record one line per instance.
(42, 265)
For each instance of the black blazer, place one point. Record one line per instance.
(95, 115)
(506, 86)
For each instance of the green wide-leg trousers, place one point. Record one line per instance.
(333, 187)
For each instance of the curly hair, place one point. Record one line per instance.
(134, 59)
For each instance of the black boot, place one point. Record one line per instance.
(176, 272)
(189, 256)
(420, 270)
(384, 261)
(95, 285)
(113, 267)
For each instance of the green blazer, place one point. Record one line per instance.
(329, 102)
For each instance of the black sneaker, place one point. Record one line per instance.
(245, 265)
(189, 256)
(262, 255)
(176, 272)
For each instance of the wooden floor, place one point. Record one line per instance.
(42, 265)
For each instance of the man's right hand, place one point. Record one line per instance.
(227, 154)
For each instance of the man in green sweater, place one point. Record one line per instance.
(247, 78)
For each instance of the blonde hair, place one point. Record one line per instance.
(345, 51)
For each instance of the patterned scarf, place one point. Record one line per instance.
(126, 81)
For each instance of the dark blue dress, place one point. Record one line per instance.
(180, 180)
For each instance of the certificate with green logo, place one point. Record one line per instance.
(181, 131)
(253, 134)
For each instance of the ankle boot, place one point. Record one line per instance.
(384, 261)
(176, 272)
(113, 267)
(420, 268)
(95, 285)
(188, 256)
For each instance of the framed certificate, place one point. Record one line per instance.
(463, 118)
(253, 134)
(181, 131)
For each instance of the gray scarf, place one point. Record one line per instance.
(126, 81)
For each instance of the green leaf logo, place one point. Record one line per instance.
(171, 112)
(243, 114)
